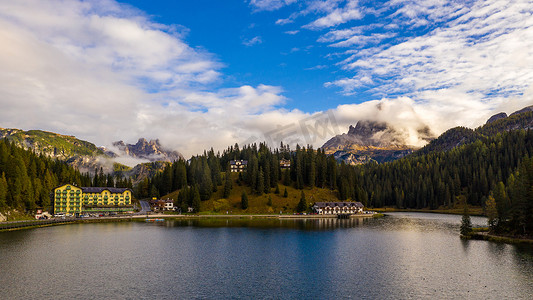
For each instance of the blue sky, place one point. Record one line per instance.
(254, 50)
(201, 74)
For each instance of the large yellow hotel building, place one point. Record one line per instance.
(72, 200)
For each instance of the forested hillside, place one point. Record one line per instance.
(470, 172)
(50, 144)
(474, 165)
(437, 178)
(26, 179)
(510, 205)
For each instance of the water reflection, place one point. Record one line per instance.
(403, 256)
(266, 223)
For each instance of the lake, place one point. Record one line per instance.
(401, 256)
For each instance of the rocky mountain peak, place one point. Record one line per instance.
(523, 110)
(372, 140)
(366, 134)
(497, 117)
(150, 150)
(366, 129)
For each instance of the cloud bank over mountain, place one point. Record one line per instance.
(105, 71)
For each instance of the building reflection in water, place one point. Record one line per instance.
(288, 223)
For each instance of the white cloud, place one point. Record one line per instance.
(317, 67)
(104, 72)
(253, 41)
(471, 55)
(337, 16)
(292, 32)
(482, 51)
(270, 5)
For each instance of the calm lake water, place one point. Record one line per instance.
(403, 256)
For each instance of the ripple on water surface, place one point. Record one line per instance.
(404, 256)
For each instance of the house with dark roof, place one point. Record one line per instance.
(238, 165)
(284, 163)
(161, 205)
(335, 208)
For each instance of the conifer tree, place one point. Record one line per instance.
(266, 178)
(206, 184)
(101, 177)
(491, 212)
(196, 200)
(302, 204)
(244, 200)
(466, 223)
(285, 193)
(286, 174)
(260, 182)
(179, 180)
(274, 171)
(110, 181)
(96, 180)
(269, 202)
(227, 184)
(3, 190)
(311, 167)
(154, 192)
(299, 170)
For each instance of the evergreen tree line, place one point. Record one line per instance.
(436, 179)
(424, 180)
(209, 172)
(101, 179)
(510, 205)
(26, 179)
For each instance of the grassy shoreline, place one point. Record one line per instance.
(474, 210)
(483, 235)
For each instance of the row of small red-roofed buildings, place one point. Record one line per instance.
(162, 204)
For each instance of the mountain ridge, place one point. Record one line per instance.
(372, 141)
(149, 150)
(86, 156)
(457, 136)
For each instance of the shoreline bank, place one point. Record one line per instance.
(485, 236)
(475, 212)
(21, 225)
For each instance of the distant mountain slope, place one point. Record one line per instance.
(87, 157)
(145, 170)
(371, 141)
(523, 110)
(522, 119)
(450, 139)
(83, 155)
(497, 117)
(50, 144)
(374, 141)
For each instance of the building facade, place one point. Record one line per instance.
(335, 208)
(284, 163)
(71, 200)
(238, 165)
(161, 205)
